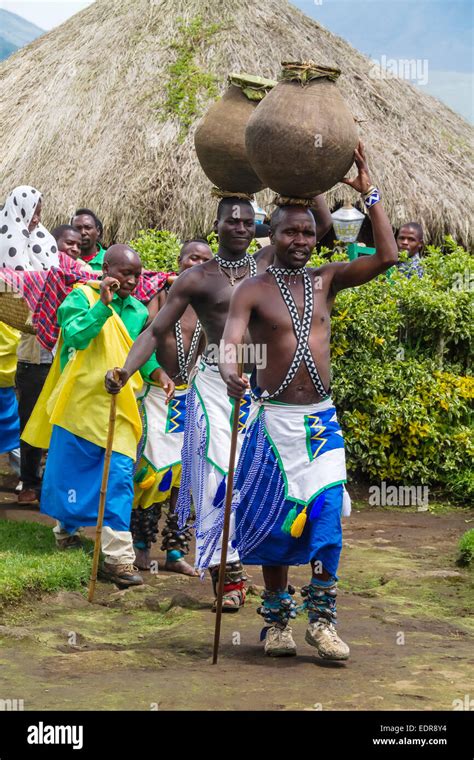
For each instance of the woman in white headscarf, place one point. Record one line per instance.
(24, 243)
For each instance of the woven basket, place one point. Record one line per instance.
(14, 311)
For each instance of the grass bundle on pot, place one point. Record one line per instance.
(220, 137)
(301, 139)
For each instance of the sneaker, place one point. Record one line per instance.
(279, 642)
(70, 542)
(323, 636)
(121, 575)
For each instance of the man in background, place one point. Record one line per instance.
(91, 229)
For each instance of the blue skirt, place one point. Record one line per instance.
(261, 511)
(9, 420)
(72, 479)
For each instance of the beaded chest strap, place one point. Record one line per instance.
(183, 360)
(302, 330)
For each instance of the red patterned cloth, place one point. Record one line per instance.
(44, 292)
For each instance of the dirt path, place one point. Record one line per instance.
(404, 609)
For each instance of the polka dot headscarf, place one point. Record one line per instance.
(19, 248)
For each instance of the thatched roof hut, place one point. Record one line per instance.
(101, 112)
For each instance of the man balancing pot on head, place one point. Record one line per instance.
(159, 468)
(289, 479)
(71, 418)
(205, 457)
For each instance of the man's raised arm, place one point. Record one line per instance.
(365, 268)
(235, 328)
(147, 342)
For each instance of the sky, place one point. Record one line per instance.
(436, 34)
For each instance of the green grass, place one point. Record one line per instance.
(29, 562)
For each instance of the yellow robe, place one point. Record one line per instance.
(76, 399)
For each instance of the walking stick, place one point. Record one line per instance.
(103, 494)
(225, 532)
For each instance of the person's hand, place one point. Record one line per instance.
(115, 380)
(108, 286)
(170, 279)
(164, 381)
(237, 386)
(362, 182)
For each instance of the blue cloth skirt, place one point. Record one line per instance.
(71, 484)
(261, 511)
(9, 420)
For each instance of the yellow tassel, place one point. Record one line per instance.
(298, 526)
(148, 482)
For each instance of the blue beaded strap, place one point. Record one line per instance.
(372, 197)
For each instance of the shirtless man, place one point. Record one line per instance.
(208, 289)
(291, 471)
(159, 470)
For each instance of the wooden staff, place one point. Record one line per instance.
(103, 493)
(225, 532)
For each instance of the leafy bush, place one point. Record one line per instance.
(158, 249)
(466, 548)
(402, 354)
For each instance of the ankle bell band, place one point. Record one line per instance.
(278, 608)
(320, 601)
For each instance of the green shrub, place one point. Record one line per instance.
(402, 354)
(158, 249)
(466, 548)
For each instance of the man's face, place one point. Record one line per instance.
(294, 238)
(127, 271)
(194, 254)
(408, 240)
(70, 243)
(36, 218)
(236, 227)
(86, 225)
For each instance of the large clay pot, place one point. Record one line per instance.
(220, 136)
(301, 139)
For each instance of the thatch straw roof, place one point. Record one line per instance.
(83, 119)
